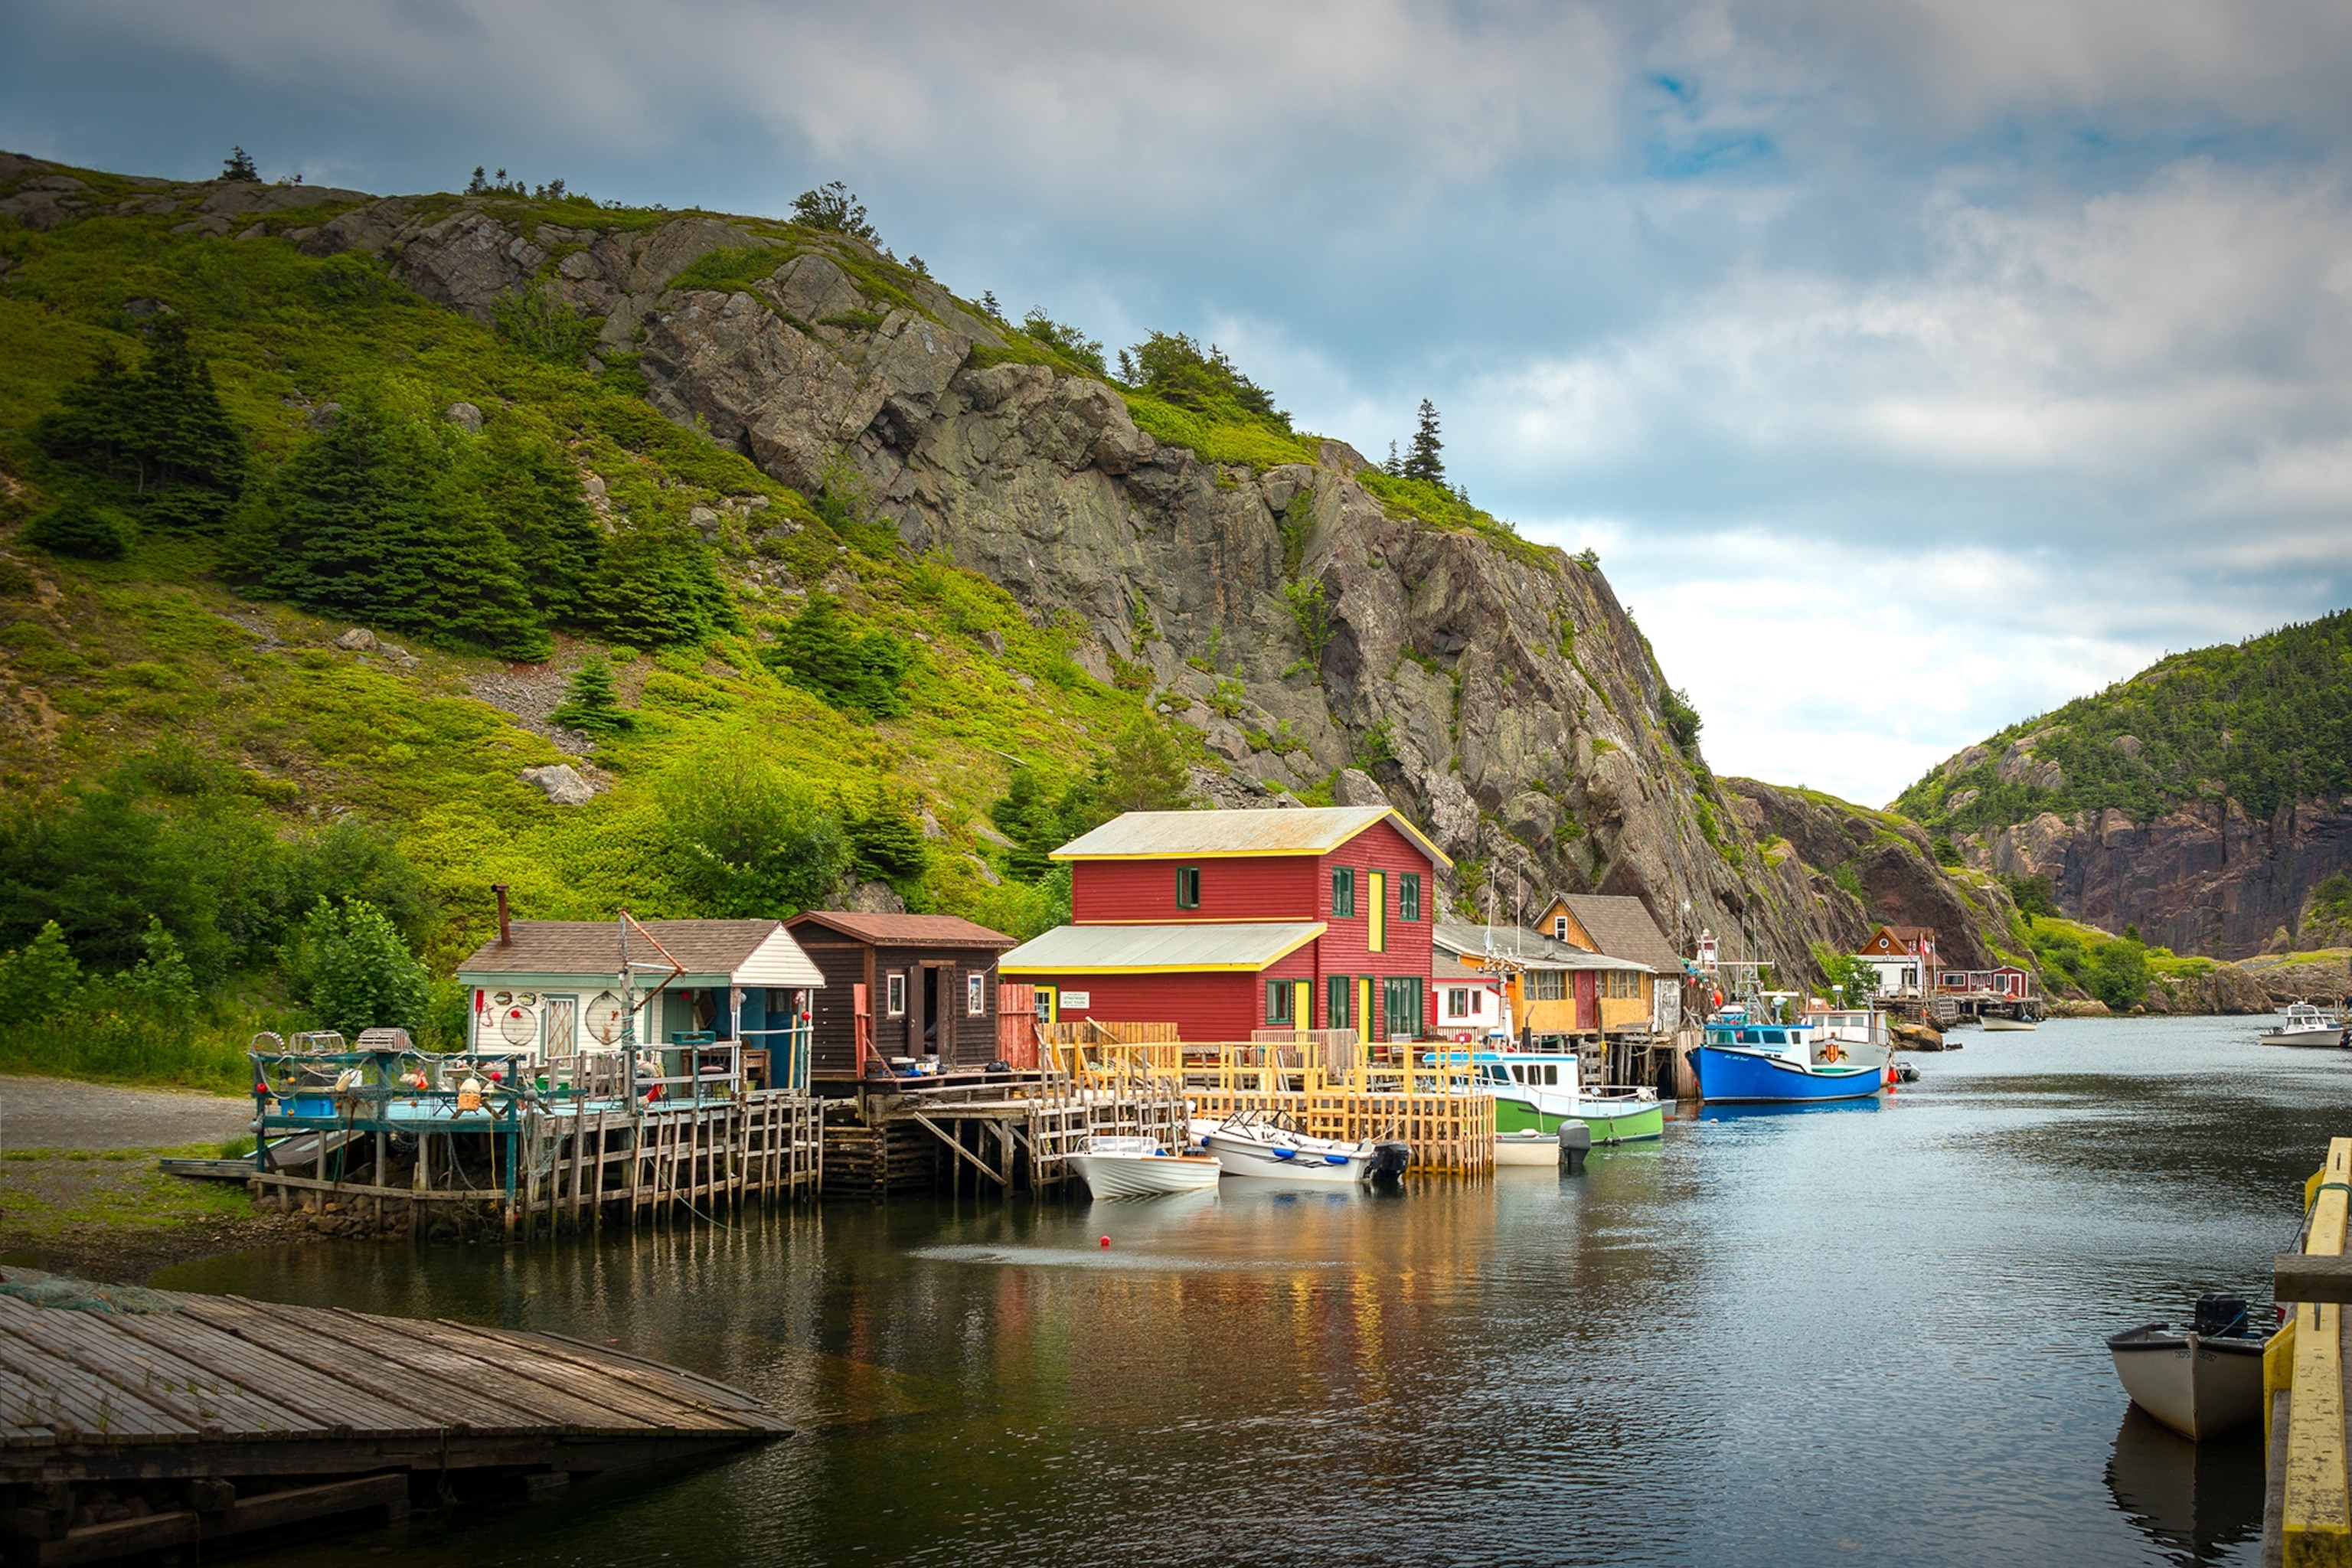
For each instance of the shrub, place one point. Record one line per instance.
(1858, 979)
(78, 527)
(1311, 614)
(745, 838)
(1948, 853)
(589, 705)
(544, 324)
(1682, 719)
(886, 840)
(39, 979)
(357, 974)
(1064, 339)
(820, 652)
(2117, 974)
(834, 209)
(2033, 894)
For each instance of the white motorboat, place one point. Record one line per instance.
(2304, 1024)
(1996, 1025)
(1140, 1167)
(1528, 1147)
(2198, 1381)
(1247, 1145)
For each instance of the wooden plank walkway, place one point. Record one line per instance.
(207, 1417)
(2308, 1505)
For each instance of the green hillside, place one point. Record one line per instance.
(190, 762)
(2263, 721)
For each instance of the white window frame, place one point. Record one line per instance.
(894, 993)
(975, 994)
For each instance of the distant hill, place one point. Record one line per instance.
(2206, 800)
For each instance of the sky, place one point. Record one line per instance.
(1913, 366)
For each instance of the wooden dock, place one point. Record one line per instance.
(995, 1132)
(143, 1422)
(2308, 1502)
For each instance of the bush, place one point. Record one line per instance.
(1682, 719)
(1858, 979)
(40, 980)
(745, 838)
(886, 840)
(78, 528)
(2033, 894)
(357, 972)
(2117, 974)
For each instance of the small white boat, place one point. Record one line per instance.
(1528, 1147)
(1140, 1167)
(2304, 1024)
(1247, 1145)
(2199, 1380)
(1996, 1025)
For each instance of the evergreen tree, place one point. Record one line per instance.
(79, 527)
(886, 841)
(834, 209)
(525, 488)
(161, 430)
(238, 166)
(41, 979)
(589, 704)
(656, 583)
(1144, 773)
(463, 587)
(1424, 459)
(819, 651)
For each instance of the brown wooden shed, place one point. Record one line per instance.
(930, 987)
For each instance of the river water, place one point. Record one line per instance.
(1870, 1333)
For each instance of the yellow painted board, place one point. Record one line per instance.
(2316, 1525)
(1376, 931)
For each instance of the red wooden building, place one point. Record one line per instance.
(1223, 922)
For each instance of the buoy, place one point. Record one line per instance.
(1105, 1241)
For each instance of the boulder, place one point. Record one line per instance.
(560, 782)
(359, 640)
(466, 416)
(1354, 787)
(875, 898)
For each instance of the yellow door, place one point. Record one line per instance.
(1302, 1004)
(1376, 931)
(1364, 1010)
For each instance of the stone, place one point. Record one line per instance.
(466, 416)
(931, 829)
(704, 520)
(984, 870)
(993, 641)
(359, 640)
(1354, 787)
(875, 898)
(561, 783)
(2129, 746)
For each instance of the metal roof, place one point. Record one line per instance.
(1527, 949)
(1215, 835)
(1240, 946)
(903, 930)
(745, 953)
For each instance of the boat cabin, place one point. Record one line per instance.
(1848, 1027)
(1791, 1042)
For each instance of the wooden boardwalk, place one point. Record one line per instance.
(2307, 1504)
(203, 1418)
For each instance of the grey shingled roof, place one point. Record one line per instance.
(1528, 949)
(1623, 927)
(594, 947)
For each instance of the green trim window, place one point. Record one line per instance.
(1336, 992)
(1279, 995)
(1401, 1003)
(1188, 887)
(1409, 895)
(1343, 900)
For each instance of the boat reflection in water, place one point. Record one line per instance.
(1712, 1111)
(2194, 1500)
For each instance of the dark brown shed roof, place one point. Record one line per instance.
(1623, 927)
(904, 930)
(594, 947)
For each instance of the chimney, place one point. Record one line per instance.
(506, 935)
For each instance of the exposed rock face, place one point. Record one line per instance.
(1502, 698)
(2204, 878)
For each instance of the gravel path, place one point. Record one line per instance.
(64, 1114)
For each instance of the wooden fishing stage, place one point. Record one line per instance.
(142, 1422)
(2307, 1501)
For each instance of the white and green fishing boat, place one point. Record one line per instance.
(1536, 1091)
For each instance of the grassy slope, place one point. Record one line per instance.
(106, 658)
(2262, 722)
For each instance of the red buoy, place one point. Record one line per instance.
(1105, 1241)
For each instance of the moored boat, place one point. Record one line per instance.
(1777, 1063)
(1528, 1147)
(1140, 1167)
(2304, 1024)
(1248, 1145)
(1996, 1025)
(1534, 1091)
(2199, 1380)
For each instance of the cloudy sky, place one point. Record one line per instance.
(1913, 365)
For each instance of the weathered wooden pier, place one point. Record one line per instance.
(156, 1424)
(990, 1132)
(2308, 1502)
(392, 1136)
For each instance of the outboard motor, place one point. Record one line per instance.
(1575, 1143)
(2220, 1313)
(1389, 1160)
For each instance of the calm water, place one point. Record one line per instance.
(1775, 1337)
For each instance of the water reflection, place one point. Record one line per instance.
(1660, 1361)
(2193, 1500)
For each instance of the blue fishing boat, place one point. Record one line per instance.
(1780, 1064)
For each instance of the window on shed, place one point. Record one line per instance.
(1457, 1001)
(1559, 928)
(1409, 895)
(1343, 894)
(1546, 985)
(895, 993)
(1279, 994)
(1188, 887)
(975, 994)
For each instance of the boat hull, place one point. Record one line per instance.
(2327, 1036)
(2195, 1385)
(1610, 1122)
(1146, 1176)
(1748, 1078)
(2008, 1026)
(1242, 1156)
(1528, 1148)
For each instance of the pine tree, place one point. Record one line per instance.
(80, 528)
(361, 973)
(161, 430)
(526, 489)
(238, 166)
(655, 584)
(1424, 459)
(345, 513)
(590, 705)
(463, 585)
(1144, 771)
(835, 209)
